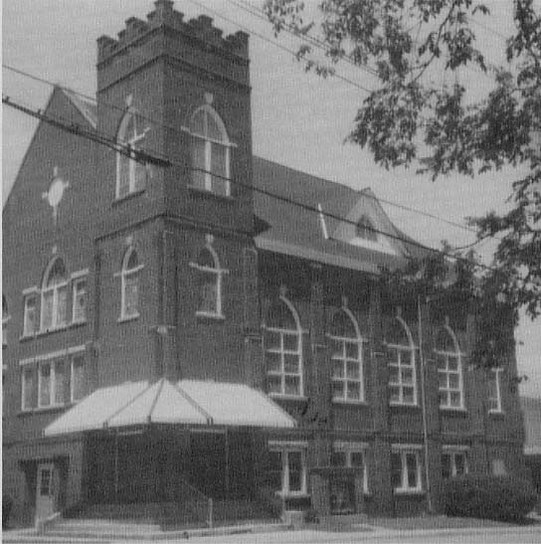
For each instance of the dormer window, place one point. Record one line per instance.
(54, 296)
(131, 173)
(210, 152)
(365, 229)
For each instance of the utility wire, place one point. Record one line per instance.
(175, 129)
(144, 157)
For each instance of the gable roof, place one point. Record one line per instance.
(292, 230)
(300, 232)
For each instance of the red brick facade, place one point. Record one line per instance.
(165, 69)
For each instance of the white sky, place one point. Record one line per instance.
(298, 119)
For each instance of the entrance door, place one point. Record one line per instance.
(45, 489)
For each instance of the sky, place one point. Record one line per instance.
(298, 119)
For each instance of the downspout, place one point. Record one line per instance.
(423, 404)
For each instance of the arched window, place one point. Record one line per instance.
(283, 350)
(347, 363)
(130, 285)
(131, 173)
(54, 292)
(402, 371)
(210, 152)
(448, 359)
(365, 229)
(209, 282)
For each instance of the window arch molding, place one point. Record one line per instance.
(130, 269)
(284, 352)
(210, 151)
(402, 367)
(130, 174)
(54, 295)
(347, 360)
(211, 274)
(450, 370)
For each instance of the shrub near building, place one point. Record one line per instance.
(489, 497)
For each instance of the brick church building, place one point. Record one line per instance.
(169, 324)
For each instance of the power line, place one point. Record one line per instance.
(145, 157)
(175, 129)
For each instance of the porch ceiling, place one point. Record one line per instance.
(188, 402)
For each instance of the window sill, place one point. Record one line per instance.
(210, 316)
(206, 193)
(128, 318)
(402, 492)
(459, 412)
(27, 337)
(496, 413)
(76, 324)
(349, 402)
(279, 396)
(399, 406)
(43, 409)
(52, 330)
(120, 199)
(293, 495)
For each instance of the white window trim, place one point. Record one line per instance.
(355, 447)
(72, 381)
(31, 294)
(132, 144)
(299, 352)
(78, 280)
(136, 270)
(453, 451)
(358, 341)
(52, 389)
(285, 448)
(497, 377)
(410, 351)
(403, 450)
(209, 110)
(448, 390)
(55, 325)
(219, 273)
(24, 408)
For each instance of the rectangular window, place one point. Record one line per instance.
(402, 376)
(199, 163)
(351, 455)
(28, 388)
(494, 390)
(291, 462)
(77, 378)
(406, 470)
(50, 384)
(30, 325)
(79, 301)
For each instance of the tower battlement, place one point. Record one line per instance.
(164, 16)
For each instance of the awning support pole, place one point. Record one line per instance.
(227, 464)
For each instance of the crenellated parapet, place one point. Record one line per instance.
(164, 16)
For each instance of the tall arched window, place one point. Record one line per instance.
(365, 229)
(129, 306)
(402, 371)
(54, 293)
(131, 173)
(450, 379)
(283, 350)
(347, 362)
(210, 279)
(210, 152)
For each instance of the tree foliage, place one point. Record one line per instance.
(412, 119)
